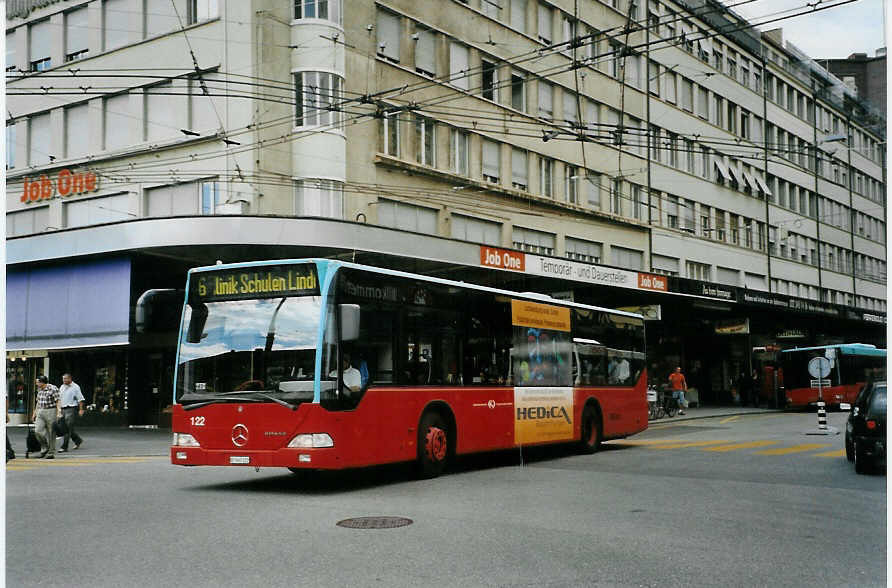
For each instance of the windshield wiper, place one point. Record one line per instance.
(262, 395)
(240, 396)
(218, 398)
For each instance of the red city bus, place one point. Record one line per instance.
(851, 366)
(320, 364)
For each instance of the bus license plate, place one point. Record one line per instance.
(239, 459)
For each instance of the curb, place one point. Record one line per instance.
(694, 417)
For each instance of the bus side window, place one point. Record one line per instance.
(373, 352)
(374, 348)
(486, 343)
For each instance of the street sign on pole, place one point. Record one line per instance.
(819, 367)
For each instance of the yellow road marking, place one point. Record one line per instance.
(794, 449)
(736, 446)
(36, 463)
(729, 419)
(683, 444)
(836, 453)
(639, 441)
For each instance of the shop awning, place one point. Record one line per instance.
(720, 165)
(738, 176)
(77, 305)
(762, 185)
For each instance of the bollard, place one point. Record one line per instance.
(822, 416)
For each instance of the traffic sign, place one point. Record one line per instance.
(819, 367)
(816, 383)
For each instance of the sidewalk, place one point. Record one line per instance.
(708, 412)
(125, 442)
(102, 442)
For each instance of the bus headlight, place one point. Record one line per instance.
(312, 440)
(184, 440)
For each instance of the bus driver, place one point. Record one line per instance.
(351, 376)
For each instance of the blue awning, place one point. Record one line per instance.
(80, 305)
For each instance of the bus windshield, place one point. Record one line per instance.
(260, 348)
(250, 345)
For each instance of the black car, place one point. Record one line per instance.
(866, 429)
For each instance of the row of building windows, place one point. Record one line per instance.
(320, 198)
(323, 9)
(710, 50)
(706, 272)
(709, 222)
(803, 107)
(123, 22)
(802, 153)
(675, 151)
(694, 98)
(154, 113)
(410, 217)
(798, 199)
(877, 304)
(625, 199)
(188, 198)
(529, 172)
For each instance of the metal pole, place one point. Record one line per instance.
(822, 412)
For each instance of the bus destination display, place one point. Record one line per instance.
(256, 282)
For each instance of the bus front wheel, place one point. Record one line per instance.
(591, 430)
(433, 445)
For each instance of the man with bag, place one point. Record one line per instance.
(47, 410)
(72, 407)
(10, 453)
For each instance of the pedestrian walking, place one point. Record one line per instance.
(47, 410)
(10, 454)
(72, 408)
(679, 387)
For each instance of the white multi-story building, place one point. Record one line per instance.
(657, 154)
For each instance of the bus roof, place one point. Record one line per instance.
(337, 263)
(845, 349)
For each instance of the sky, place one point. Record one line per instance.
(857, 27)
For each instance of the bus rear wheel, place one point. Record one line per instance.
(590, 441)
(433, 445)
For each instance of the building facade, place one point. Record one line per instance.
(655, 155)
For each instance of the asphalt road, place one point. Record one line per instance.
(731, 501)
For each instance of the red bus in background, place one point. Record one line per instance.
(852, 365)
(320, 364)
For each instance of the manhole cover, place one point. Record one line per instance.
(375, 522)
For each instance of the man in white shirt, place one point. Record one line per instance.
(72, 407)
(350, 376)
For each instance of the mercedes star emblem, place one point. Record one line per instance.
(239, 435)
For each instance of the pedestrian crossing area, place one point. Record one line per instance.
(766, 447)
(21, 464)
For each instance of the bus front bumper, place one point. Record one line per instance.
(286, 457)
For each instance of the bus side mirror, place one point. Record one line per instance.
(197, 322)
(349, 322)
(157, 310)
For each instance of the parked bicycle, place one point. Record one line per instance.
(670, 404)
(657, 409)
(654, 409)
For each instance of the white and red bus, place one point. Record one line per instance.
(851, 366)
(320, 364)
